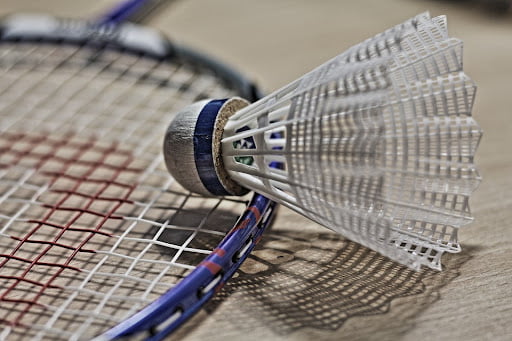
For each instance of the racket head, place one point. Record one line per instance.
(93, 228)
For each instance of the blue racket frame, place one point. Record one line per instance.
(173, 308)
(180, 302)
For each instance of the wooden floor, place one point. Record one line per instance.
(304, 282)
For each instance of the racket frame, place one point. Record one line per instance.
(182, 301)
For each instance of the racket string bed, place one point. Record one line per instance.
(92, 226)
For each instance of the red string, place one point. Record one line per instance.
(22, 149)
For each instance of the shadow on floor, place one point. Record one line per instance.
(319, 281)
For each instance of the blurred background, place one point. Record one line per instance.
(274, 42)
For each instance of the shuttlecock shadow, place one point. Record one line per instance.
(319, 281)
(188, 223)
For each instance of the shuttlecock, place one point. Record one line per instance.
(376, 144)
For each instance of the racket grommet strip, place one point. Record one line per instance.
(192, 147)
(210, 286)
(243, 250)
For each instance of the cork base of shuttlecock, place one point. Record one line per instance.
(192, 147)
(230, 107)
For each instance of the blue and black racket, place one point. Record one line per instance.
(96, 238)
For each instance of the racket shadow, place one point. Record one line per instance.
(318, 281)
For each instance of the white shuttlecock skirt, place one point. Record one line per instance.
(376, 144)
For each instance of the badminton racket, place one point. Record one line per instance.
(97, 239)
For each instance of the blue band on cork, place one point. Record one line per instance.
(203, 138)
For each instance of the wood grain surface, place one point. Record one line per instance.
(304, 282)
